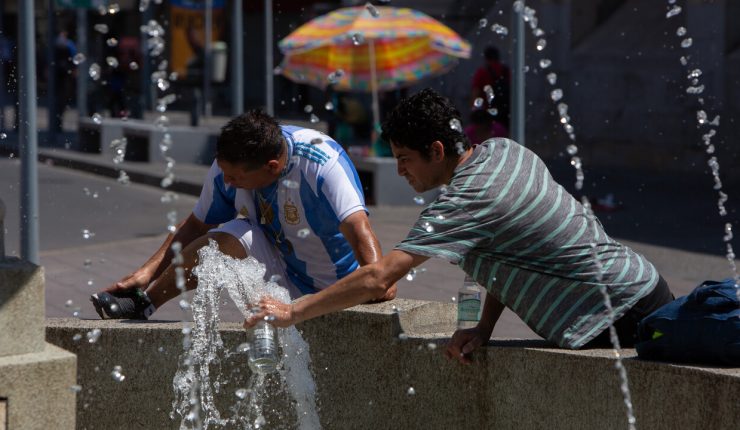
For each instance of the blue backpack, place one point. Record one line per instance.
(703, 327)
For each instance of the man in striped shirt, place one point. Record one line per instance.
(504, 220)
(287, 196)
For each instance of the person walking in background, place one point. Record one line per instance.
(496, 75)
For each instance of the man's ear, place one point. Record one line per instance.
(437, 151)
(273, 166)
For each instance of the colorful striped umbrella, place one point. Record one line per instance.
(370, 49)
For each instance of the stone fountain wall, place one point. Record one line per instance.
(364, 371)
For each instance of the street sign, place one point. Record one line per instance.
(80, 4)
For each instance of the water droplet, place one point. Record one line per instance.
(575, 162)
(288, 183)
(69, 303)
(114, 8)
(478, 102)
(357, 39)
(545, 63)
(701, 117)
(97, 118)
(112, 61)
(675, 10)
(552, 78)
(184, 305)
(133, 66)
(483, 23)
(87, 262)
(453, 299)
(499, 29)
(123, 178)
(329, 106)
(403, 336)
(101, 28)
(572, 149)
(537, 32)
(681, 31)
(431, 346)
(112, 42)
(441, 217)
(460, 148)
(489, 93)
(276, 279)
(117, 375)
(75, 388)
(419, 200)
(686, 43)
(518, 6)
(411, 275)
(308, 109)
(259, 422)
(372, 9)
(541, 44)
(78, 59)
(728, 232)
(303, 233)
(556, 94)
(94, 71)
(314, 119)
(335, 76)
(87, 234)
(241, 393)
(695, 90)
(94, 335)
(3, 136)
(455, 125)
(411, 391)
(694, 74)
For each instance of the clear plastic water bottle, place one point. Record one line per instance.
(263, 353)
(468, 304)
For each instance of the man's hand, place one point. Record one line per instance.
(276, 312)
(139, 279)
(464, 342)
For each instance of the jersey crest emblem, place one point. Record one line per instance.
(291, 213)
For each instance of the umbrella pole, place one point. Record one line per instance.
(374, 87)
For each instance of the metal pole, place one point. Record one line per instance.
(207, 54)
(517, 96)
(27, 133)
(81, 72)
(237, 59)
(3, 90)
(269, 102)
(374, 84)
(51, 87)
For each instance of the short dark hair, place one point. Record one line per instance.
(491, 53)
(253, 138)
(423, 118)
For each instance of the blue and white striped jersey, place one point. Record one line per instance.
(301, 212)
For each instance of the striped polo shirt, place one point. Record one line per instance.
(508, 224)
(301, 212)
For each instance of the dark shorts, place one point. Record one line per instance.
(627, 325)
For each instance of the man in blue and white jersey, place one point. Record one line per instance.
(506, 223)
(287, 196)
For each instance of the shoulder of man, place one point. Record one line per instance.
(313, 148)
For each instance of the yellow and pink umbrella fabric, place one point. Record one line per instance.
(368, 48)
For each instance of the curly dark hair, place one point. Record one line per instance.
(419, 120)
(253, 138)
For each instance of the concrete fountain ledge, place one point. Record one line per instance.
(363, 373)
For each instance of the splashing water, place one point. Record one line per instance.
(695, 88)
(529, 15)
(199, 374)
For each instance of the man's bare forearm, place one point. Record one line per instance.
(492, 310)
(187, 231)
